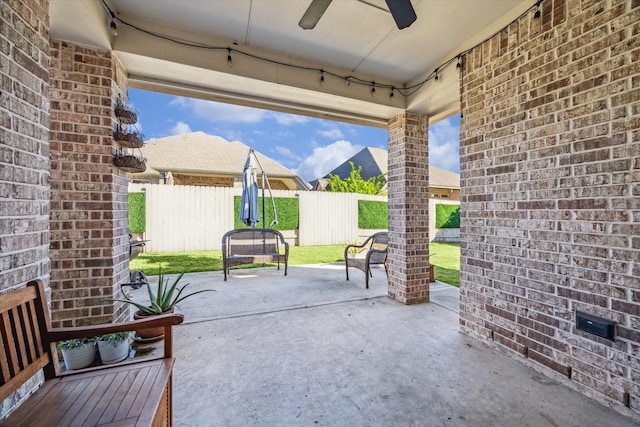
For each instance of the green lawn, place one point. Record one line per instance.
(445, 257)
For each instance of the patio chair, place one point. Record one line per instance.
(372, 252)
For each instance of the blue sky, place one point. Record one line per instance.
(308, 146)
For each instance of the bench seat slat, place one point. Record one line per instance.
(105, 397)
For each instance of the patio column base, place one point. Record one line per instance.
(409, 208)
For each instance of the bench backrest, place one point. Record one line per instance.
(252, 241)
(23, 352)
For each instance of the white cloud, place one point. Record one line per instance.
(286, 119)
(324, 159)
(333, 133)
(232, 134)
(444, 145)
(285, 152)
(219, 112)
(180, 128)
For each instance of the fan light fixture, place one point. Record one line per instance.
(401, 10)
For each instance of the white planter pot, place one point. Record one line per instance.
(112, 354)
(79, 357)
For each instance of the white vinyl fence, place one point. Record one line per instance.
(188, 218)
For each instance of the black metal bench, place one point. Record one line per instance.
(254, 246)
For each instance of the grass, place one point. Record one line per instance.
(445, 257)
(446, 260)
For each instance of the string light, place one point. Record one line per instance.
(405, 92)
(113, 26)
(391, 94)
(537, 14)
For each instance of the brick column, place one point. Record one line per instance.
(408, 208)
(24, 142)
(89, 239)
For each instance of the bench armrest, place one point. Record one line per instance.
(62, 334)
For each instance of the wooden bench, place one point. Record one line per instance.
(254, 246)
(133, 393)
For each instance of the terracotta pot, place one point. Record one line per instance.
(150, 333)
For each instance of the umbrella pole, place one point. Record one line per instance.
(263, 217)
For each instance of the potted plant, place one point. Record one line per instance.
(113, 347)
(78, 353)
(167, 296)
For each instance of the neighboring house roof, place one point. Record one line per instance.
(199, 153)
(374, 162)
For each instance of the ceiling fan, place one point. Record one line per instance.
(401, 10)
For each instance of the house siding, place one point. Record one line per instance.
(550, 206)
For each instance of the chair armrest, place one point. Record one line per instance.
(62, 334)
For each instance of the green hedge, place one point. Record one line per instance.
(447, 216)
(287, 208)
(373, 214)
(137, 212)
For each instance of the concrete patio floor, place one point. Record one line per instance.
(314, 349)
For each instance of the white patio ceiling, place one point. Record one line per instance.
(352, 39)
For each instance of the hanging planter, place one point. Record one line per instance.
(128, 139)
(129, 163)
(125, 114)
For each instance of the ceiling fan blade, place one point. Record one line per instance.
(313, 14)
(402, 12)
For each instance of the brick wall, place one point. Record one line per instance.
(24, 142)
(408, 208)
(550, 178)
(89, 238)
(24, 153)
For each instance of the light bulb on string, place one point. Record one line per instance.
(459, 65)
(436, 78)
(348, 79)
(112, 26)
(321, 77)
(229, 59)
(391, 94)
(373, 88)
(537, 14)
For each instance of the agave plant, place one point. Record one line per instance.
(167, 296)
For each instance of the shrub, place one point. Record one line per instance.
(447, 216)
(286, 207)
(373, 214)
(137, 212)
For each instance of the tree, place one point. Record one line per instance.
(355, 184)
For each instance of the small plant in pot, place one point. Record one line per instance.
(77, 353)
(167, 296)
(113, 347)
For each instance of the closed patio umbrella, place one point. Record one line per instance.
(249, 214)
